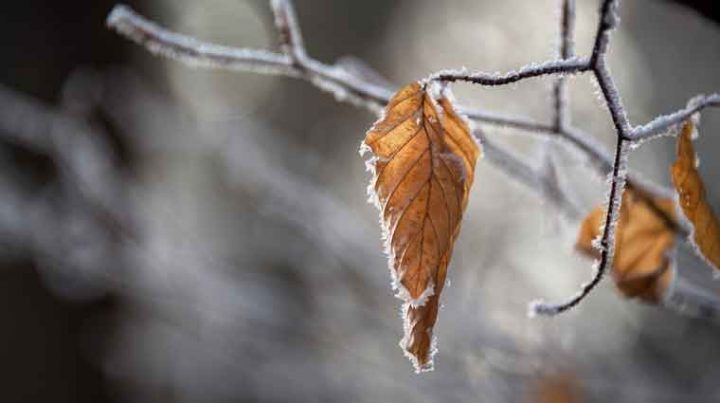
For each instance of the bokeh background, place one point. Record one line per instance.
(169, 234)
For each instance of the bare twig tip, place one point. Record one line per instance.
(118, 13)
(541, 308)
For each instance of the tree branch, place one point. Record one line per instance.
(194, 52)
(291, 41)
(608, 21)
(567, 50)
(551, 67)
(348, 86)
(662, 124)
(514, 122)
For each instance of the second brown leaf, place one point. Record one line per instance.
(694, 204)
(643, 241)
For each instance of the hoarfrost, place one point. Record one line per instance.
(192, 51)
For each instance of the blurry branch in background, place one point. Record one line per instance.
(84, 160)
(90, 183)
(71, 228)
(566, 51)
(349, 86)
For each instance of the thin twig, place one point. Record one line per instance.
(194, 52)
(567, 50)
(662, 124)
(291, 41)
(574, 65)
(514, 122)
(204, 54)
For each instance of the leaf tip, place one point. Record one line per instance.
(421, 355)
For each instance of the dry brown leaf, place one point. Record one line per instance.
(690, 189)
(643, 239)
(557, 388)
(423, 162)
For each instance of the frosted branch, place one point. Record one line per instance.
(191, 51)
(608, 21)
(566, 51)
(194, 52)
(661, 124)
(567, 28)
(612, 100)
(291, 41)
(514, 122)
(574, 65)
(607, 240)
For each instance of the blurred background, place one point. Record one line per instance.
(170, 234)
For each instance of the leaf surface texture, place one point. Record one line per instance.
(423, 162)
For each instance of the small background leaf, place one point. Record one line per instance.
(641, 267)
(555, 388)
